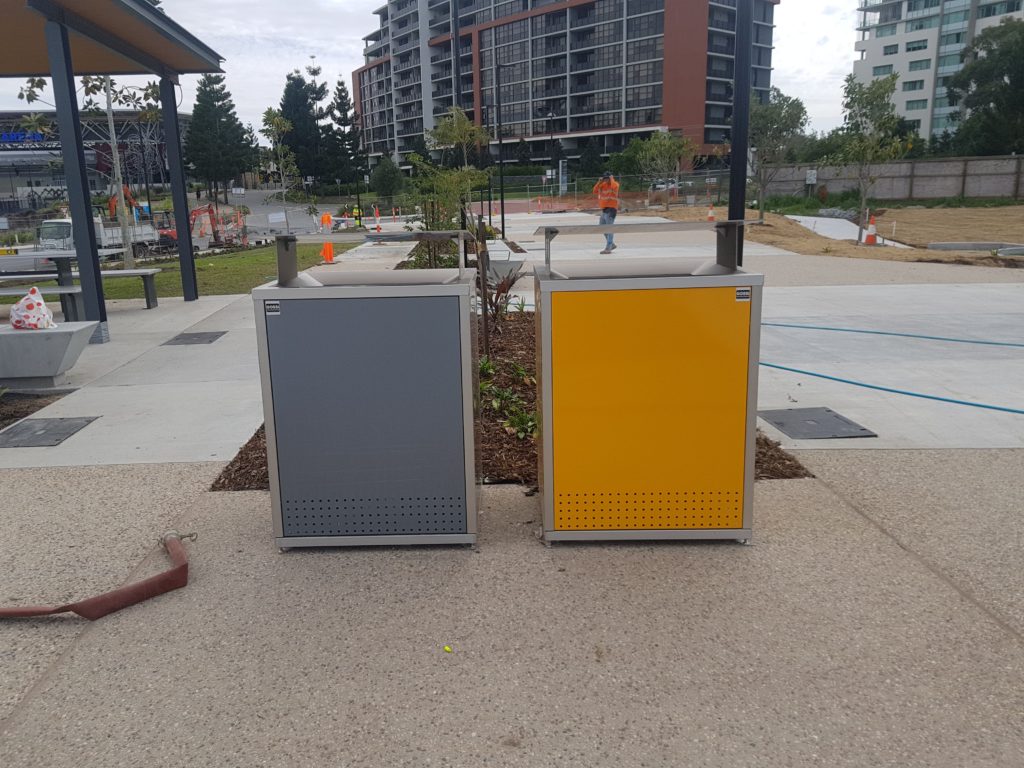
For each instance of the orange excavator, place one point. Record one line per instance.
(169, 233)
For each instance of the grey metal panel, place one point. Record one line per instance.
(375, 541)
(38, 433)
(368, 415)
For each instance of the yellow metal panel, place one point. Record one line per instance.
(649, 391)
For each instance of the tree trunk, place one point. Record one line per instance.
(861, 213)
(122, 211)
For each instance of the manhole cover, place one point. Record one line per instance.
(205, 337)
(814, 423)
(42, 433)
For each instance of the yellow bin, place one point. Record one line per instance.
(647, 396)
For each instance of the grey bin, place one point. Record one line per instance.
(368, 400)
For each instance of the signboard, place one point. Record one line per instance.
(4, 223)
(563, 177)
(238, 191)
(277, 217)
(812, 178)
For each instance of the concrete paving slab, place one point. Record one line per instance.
(72, 534)
(969, 372)
(823, 644)
(839, 229)
(185, 421)
(959, 510)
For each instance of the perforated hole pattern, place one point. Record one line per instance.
(379, 516)
(648, 510)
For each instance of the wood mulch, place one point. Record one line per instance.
(505, 458)
(15, 407)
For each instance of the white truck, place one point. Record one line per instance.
(57, 234)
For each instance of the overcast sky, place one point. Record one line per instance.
(262, 40)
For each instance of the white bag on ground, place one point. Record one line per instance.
(31, 313)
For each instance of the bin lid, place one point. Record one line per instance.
(329, 276)
(592, 269)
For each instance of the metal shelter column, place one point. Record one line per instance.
(730, 239)
(83, 230)
(179, 193)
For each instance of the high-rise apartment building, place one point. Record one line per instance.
(921, 41)
(572, 71)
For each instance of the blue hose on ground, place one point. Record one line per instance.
(895, 391)
(894, 333)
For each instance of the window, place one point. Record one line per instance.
(952, 60)
(914, 125)
(953, 38)
(890, 50)
(916, 24)
(916, 104)
(887, 31)
(645, 26)
(921, 5)
(917, 45)
(959, 17)
(997, 9)
(884, 69)
(913, 85)
(645, 49)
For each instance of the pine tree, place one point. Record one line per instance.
(591, 163)
(523, 152)
(342, 154)
(299, 107)
(215, 145)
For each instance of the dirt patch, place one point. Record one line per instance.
(248, 470)
(921, 226)
(505, 457)
(780, 232)
(14, 407)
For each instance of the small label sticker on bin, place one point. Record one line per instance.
(742, 294)
(272, 307)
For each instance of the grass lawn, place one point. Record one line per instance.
(217, 275)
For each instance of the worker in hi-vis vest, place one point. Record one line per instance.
(607, 191)
(357, 214)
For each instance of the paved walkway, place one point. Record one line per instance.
(877, 620)
(840, 229)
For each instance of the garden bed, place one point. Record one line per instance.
(15, 407)
(508, 410)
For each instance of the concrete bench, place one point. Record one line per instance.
(73, 308)
(148, 281)
(32, 360)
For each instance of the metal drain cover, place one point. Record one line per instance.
(205, 337)
(814, 423)
(42, 433)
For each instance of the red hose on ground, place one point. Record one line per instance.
(97, 607)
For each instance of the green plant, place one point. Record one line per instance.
(521, 304)
(520, 373)
(521, 423)
(503, 399)
(485, 367)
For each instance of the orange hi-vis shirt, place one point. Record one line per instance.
(607, 193)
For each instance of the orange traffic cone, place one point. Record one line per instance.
(872, 236)
(327, 253)
(711, 213)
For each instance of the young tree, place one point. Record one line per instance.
(591, 162)
(627, 162)
(216, 145)
(775, 126)
(661, 154)
(386, 179)
(872, 133)
(276, 128)
(299, 106)
(991, 88)
(456, 130)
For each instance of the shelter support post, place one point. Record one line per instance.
(83, 229)
(179, 194)
(730, 241)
